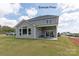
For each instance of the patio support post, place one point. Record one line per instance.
(56, 32)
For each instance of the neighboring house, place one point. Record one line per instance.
(67, 33)
(10, 33)
(38, 27)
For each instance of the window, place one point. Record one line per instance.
(29, 31)
(48, 21)
(25, 31)
(20, 32)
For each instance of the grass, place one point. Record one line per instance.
(11, 46)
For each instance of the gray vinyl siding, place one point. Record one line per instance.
(42, 22)
(26, 35)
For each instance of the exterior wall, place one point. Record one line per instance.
(27, 35)
(38, 32)
(45, 21)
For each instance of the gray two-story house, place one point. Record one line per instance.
(38, 27)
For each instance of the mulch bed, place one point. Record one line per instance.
(75, 40)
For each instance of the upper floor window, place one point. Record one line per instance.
(48, 21)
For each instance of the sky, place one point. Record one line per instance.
(13, 13)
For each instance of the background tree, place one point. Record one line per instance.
(5, 29)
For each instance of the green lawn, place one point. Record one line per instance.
(15, 47)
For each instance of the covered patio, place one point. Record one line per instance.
(46, 32)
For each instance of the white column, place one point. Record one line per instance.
(34, 32)
(27, 31)
(21, 31)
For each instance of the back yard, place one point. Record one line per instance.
(18, 47)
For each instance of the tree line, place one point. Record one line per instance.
(5, 29)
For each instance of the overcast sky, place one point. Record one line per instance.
(12, 13)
